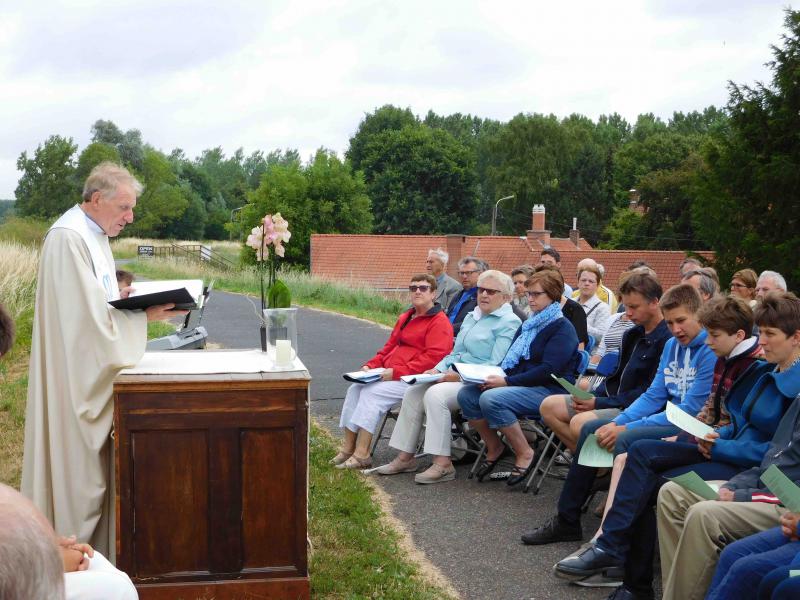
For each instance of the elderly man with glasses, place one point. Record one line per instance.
(469, 269)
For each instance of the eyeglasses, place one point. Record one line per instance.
(465, 273)
(421, 288)
(738, 285)
(534, 294)
(489, 291)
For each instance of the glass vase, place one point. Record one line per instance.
(281, 326)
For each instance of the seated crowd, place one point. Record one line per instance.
(730, 361)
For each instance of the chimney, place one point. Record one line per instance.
(454, 245)
(537, 231)
(574, 234)
(633, 201)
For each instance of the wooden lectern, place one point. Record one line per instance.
(211, 484)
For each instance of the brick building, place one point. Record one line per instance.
(387, 262)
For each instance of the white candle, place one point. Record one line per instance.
(283, 353)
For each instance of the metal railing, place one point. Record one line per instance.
(197, 252)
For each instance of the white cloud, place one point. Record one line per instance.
(199, 74)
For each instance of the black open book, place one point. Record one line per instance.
(186, 294)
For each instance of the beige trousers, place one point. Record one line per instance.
(431, 405)
(692, 532)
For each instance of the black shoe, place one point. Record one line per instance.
(623, 593)
(593, 560)
(553, 531)
(520, 474)
(487, 466)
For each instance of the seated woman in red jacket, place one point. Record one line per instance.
(421, 337)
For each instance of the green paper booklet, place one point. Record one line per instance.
(783, 487)
(692, 482)
(592, 455)
(575, 391)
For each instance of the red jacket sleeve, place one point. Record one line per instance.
(438, 344)
(390, 345)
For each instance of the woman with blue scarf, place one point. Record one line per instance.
(544, 345)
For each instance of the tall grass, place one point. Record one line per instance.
(307, 290)
(24, 230)
(18, 266)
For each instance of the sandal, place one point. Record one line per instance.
(340, 457)
(356, 463)
(520, 474)
(487, 466)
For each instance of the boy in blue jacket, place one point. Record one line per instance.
(684, 377)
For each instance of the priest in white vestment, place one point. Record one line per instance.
(79, 345)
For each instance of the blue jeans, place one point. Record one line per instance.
(501, 406)
(744, 563)
(779, 585)
(629, 529)
(580, 479)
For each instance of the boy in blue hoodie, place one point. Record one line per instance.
(684, 377)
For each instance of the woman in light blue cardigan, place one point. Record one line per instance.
(484, 338)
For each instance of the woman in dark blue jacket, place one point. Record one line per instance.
(546, 344)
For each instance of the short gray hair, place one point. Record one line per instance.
(776, 277)
(30, 562)
(708, 284)
(440, 254)
(479, 263)
(106, 178)
(506, 283)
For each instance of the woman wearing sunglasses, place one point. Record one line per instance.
(421, 337)
(545, 345)
(483, 339)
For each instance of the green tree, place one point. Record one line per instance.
(324, 196)
(747, 197)
(623, 230)
(338, 197)
(129, 144)
(283, 189)
(385, 118)
(93, 155)
(420, 180)
(227, 175)
(47, 187)
(163, 199)
(668, 196)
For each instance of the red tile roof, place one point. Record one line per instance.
(388, 261)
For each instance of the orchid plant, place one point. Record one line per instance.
(272, 231)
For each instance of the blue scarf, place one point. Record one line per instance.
(521, 348)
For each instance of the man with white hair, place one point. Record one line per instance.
(604, 293)
(30, 563)
(769, 281)
(447, 288)
(78, 346)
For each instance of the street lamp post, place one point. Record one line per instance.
(494, 213)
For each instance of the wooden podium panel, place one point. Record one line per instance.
(211, 484)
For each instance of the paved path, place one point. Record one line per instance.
(469, 530)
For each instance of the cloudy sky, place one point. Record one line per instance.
(196, 74)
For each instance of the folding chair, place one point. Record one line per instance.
(591, 344)
(463, 439)
(552, 444)
(604, 368)
(392, 413)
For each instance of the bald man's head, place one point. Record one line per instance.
(30, 562)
